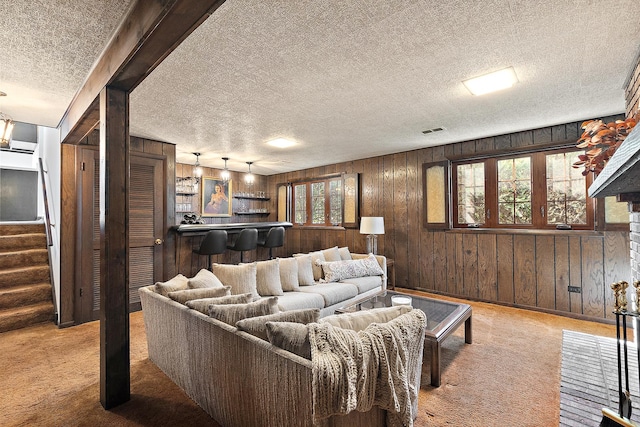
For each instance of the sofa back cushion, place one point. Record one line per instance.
(268, 278)
(339, 270)
(178, 283)
(305, 270)
(331, 254)
(232, 313)
(257, 326)
(241, 278)
(202, 304)
(359, 320)
(345, 255)
(317, 257)
(205, 279)
(290, 336)
(190, 294)
(289, 274)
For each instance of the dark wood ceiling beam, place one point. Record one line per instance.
(148, 34)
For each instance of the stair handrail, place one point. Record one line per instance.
(46, 204)
(48, 226)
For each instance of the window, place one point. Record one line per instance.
(471, 198)
(318, 202)
(534, 190)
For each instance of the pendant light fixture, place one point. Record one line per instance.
(197, 170)
(6, 127)
(225, 175)
(249, 177)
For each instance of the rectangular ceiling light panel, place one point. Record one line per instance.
(492, 82)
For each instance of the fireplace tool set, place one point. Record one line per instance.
(623, 416)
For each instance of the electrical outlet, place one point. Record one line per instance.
(575, 289)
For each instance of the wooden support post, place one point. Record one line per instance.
(115, 377)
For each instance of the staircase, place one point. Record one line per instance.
(25, 284)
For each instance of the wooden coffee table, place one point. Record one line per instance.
(443, 318)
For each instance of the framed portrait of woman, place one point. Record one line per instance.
(216, 197)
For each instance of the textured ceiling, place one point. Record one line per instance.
(345, 79)
(48, 48)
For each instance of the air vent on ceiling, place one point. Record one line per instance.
(432, 130)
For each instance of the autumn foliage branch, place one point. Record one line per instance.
(600, 140)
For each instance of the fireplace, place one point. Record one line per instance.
(621, 178)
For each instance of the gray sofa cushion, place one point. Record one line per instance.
(289, 274)
(316, 257)
(359, 320)
(332, 293)
(365, 284)
(305, 270)
(332, 254)
(178, 283)
(257, 325)
(299, 300)
(241, 278)
(344, 253)
(204, 279)
(290, 336)
(190, 294)
(202, 304)
(268, 278)
(231, 313)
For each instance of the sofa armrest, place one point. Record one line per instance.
(382, 260)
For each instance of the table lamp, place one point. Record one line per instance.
(372, 226)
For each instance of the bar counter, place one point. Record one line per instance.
(189, 237)
(231, 228)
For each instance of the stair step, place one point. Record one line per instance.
(22, 242)
(23, 258)
(9, 229)
(17, 296)
(24, 275)
(22, 317)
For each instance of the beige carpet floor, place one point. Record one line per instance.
(509, 376)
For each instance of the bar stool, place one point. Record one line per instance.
(247, 240)
(214, 243)
(273, 239)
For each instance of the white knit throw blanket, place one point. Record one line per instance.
(377, 366)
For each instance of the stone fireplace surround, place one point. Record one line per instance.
(621, 176)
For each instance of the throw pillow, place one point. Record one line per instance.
(339, 270)
(359, 320)
(317, 256)
(231, 313)
(190, 294)
(257, 325)
(268, 278)
(202, 304)
(290, 336)
(178, 283)
(305, 270)
(241, 278)
(289, 274)
(345, 255)
(205, 279)
(331, 254)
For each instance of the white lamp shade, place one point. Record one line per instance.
(372, 225)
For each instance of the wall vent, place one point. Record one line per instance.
(428, 131)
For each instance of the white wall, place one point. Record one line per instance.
(49, 150)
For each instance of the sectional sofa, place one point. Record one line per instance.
(243, 380)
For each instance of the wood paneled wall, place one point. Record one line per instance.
(522, 268)
(70, 221)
